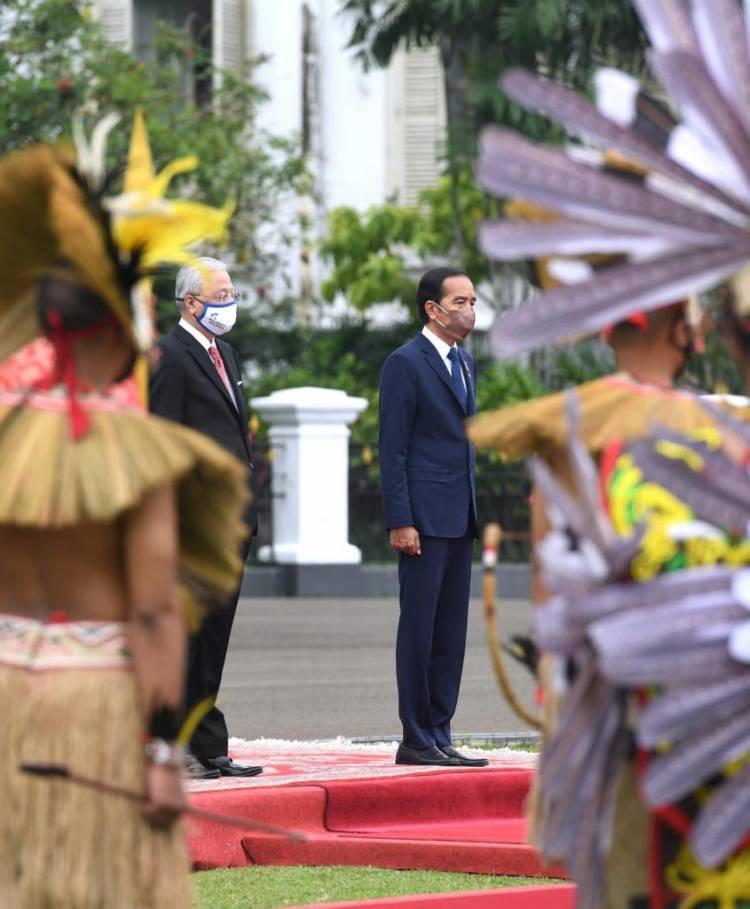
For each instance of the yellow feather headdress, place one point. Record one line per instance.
(52, 212)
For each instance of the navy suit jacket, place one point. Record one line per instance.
(185, 387)
(427, 465)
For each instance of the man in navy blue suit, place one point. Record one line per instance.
(427, 469)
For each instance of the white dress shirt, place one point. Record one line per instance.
(199, 337)
(443, 349)
(206, 345)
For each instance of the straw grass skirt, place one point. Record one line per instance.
(63, 846)
(628, 862)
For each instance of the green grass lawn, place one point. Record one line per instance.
(267, 887)
(527, 747)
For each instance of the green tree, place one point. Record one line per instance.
(479, 39)
(376, 256)
(54, 60)
(367, 252)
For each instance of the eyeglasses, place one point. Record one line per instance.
(221, 299)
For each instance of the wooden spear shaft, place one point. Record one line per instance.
(60, 771)
(490, 544)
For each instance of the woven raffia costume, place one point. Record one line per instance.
(684, 228)
(613, 407)
(72, 456)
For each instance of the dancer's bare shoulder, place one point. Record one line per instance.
(81, 570)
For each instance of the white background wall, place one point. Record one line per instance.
(376, 135)
(351, 155)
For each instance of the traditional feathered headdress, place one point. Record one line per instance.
(54, 218)
(68, 461)
(695, 660)
(683, 229)
(551, 272)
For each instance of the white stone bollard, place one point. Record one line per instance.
(309, 436)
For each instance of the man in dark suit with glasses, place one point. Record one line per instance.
(198, 382)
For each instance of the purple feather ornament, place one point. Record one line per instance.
(597, 625)
(667, 24)
(582, 118)
(583, 757)
(683, 230)
(611, 296)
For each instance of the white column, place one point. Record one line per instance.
(276, 30)
(309, 436)
(353, 118)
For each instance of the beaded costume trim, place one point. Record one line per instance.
(37, 646)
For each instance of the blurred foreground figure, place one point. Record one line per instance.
(668, 582)
(647, 628)
(105, 539)
(651, 352)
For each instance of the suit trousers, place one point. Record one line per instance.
(207, 651)
(431, 640)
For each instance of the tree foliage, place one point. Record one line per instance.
(54, 60)
(367, 252)
(479, 39)
(374, 255)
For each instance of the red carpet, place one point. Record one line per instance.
(357, 808)
(462, 820)
(474, 795)
(311, 762)
(450, 820)
(554, 897)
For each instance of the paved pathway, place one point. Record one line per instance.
(316, 668)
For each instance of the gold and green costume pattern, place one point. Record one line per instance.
(673, 538)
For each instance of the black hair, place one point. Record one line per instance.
(431, 287)
(77, 307)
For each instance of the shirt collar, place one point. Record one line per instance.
(440, 345)
(200, 338)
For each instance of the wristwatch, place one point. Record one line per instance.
(165, 754)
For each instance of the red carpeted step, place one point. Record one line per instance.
(456, 795)
(487, 830)
(340, 849)
(454, 821)
(553, 897)
(217, 846)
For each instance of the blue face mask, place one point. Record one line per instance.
(218, 318)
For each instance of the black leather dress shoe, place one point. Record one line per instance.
(463, 759)
(196, 771)
(226, 766)
(426, 757)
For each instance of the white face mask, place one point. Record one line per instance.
(218, 318)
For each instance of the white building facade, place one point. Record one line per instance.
(371, 137)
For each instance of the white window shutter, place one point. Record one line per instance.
(423, 121)
(116, 17)
(229, 34)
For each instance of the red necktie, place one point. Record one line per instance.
(213, 352)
